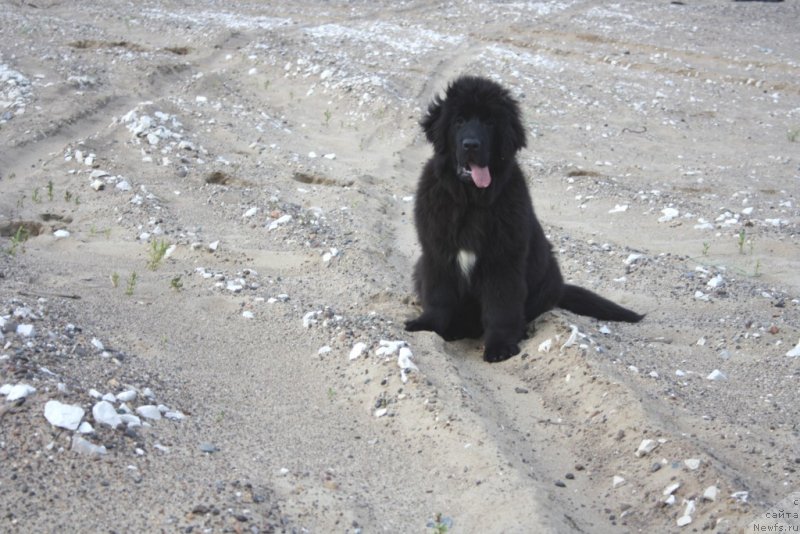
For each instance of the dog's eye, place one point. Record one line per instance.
(460, 121)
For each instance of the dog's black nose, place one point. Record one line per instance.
(470, 143)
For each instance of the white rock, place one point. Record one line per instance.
(85, 428)
(686, 518)
(280, 221)
(98, 185)
(633, 258)
(692, 463)
(63, 415)
(105, 413)
(573, 337)
(646, 447)
(25, 330)
(619, 208)
(130, 420)
(19, 391)
(94, 393)
(668, 214)
(5, 388)
(127, 395)
(546, 345)
(123, 185)
(710, 493)
(310, 319)
(324, 350)
(174, 415)
(740, 496)
(96, 343)
(716, 374)
(672, 488)
(110, 397)
(357, 350)
(795, 352)
(617, 481)
(404, 359)
(213, 246)
(328, 256)
(715, 282)
(249, 213)
(380, 412)
(84, 446)
(387, 348)
(669, 501)
(605, 330)
(149, 411)
(247, 314)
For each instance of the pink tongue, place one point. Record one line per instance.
(481, 176)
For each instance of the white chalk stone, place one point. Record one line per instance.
(63, 415)
(692, 463)
(149, 411)
(795, 352)
(710, 493)
(25, 330)
(646, 447)
(716, 374)
(672, 488)
(127, 395)
(19, 391)
(105, 413)
(617, 481)
(84, 446)
(357, 350)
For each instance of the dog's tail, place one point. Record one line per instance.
(584, 302)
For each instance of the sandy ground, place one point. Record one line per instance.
(277, 148)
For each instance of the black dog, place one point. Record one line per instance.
(486, 266)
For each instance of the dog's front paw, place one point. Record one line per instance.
(498, 352)
(418, 324)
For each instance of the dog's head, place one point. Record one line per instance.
(477, 127)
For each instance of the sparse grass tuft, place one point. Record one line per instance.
(158, 249)
(17, 240)
(115, 279)
(131, 284)
(176, 284)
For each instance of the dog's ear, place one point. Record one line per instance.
(432, 125)
(514, 138)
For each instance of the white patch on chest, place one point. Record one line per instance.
(466, 261)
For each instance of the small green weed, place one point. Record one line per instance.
(440, 524)
(131, 284)
(115, 279)
(742, 240)
(158, 249)
(17, 240)
(176, 283)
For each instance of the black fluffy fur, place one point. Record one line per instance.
(515, 277)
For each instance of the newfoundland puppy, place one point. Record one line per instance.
(486, 267)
